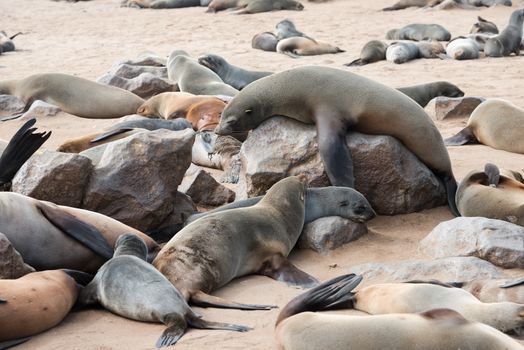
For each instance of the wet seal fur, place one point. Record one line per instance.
(312, 95)
(423, 93)
(509, 40)
(129, 286)
(373, 51)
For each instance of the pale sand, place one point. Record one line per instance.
(85, 39)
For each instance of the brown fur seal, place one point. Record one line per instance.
(373, 51)
(130, 287)
(254, 6)
(509, 40)
(235, 76)
(437, 329)
(265, 41)
(210, 252)
(286, 29)
(312, 95)
(496, 123)
(49, 236)
(403, 4)
(73, 95)
(419, 32)
(484, 26)
(299, 46)
(424, 93)
(495, 290)
(491, 195)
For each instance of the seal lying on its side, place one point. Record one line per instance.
(495, 290)
(265, 41)
(129, 286)
(484, 26)
(462, 48)
(424, 93)
(299, 46)
(373, 51)
(419, 32)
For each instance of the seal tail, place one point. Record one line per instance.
(197, 322)
(335, 293)
(463, 137)
(21, 147)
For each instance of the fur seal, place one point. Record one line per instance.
(509, 40)
(49, 236)
(403, 4)
(6, 41)
(265, 41)
(424, 93)
(437, 329)
(496, 123)
(373, 51)
(312, 95)
(402, 52)
(235, 76)
(300, 46)
(254, 6)
(129, 286)
(419, 32)
(34, 303)
(462, 48)
(211, 251)
(480, 39)
(74, 95)
(286, 29)
(484, 26)
(162, 4)
(495, 290)
(20, 148)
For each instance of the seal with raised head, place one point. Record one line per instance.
(436, 329)
(463, 48)
(496, 123)
(419, 32)
(335, 101)
(131, 287)
(265, 41)
(509, 40)
(235, 76)
(73, 95)
(286, 29)
(484, 26)
(373, 51)
(300, 46)
(423, 93)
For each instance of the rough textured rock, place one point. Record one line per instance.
(131, 71)
(204, 189)
(330, 233)
(10, 104)
(57, 177)
(442, 107)
(145, 85)
(136, 179)
(41, 109)
(11, 263)
(146, 59)
(446, 269)
(499, 242)
(392, 178)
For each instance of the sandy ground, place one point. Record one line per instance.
(86, 38)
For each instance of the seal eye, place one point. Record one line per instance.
(232, 122)
(248, 111)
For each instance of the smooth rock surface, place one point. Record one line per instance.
(145, 85)
(132, 71)
(11, 263)
(442, 107)
(41, 109)
(204, 189)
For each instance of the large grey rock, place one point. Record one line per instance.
(145, 85)
(57, 177)
(446, 269)
(41, 109)
(136, 179)
(499, 242)
(9, 104)
(330, 233)
(204, 189)
(131, 71)
(146, 59)
(392, 178)
(442, 107)
(11, 263)
(184, 208)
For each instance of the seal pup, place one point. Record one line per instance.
(496, 123)
(235, 76)
(129, 286)
(299, 46)
(265, 41)
(373, 51)
(49, 236)
(286, 29)
(80, 97)
(20, 148)
(484, 26)
(194, 78)
(463, 48)
(419, 32)
(258, 240)
(402, 52)
(509, 40)
(495, 290)
(437, 329)
(489, 194)
(311, 95)
(6, 41)
(423, 93)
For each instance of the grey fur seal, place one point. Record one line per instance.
(509, 40)
(462, 48)
(423, 93)
(254, 6)
(265, 41)
(496, 123)
(436, 329)
(404, 51)
(129, 286)
(445, 4)
(235, 76)
(74, 95)
(484, 26)
(312, 95)
(403, 4)
(194, 78)
(6, 41)
(419, 32)
(373, 51)
(480, 39)
(286, 29)
(163, 4)
(300, 46)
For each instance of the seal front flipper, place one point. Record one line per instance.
(11, 343)
(280, 269)
(176, 328)
(205, 300)
(464, 137)
(513, 283)
(109, 134)
(197, 322)
(83, 232)
(451, 190)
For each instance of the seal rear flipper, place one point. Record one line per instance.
(197, 322)
(513, 283)
(280, 269)
(83, 232)
(465, 136)
(176, 327)
(11, 343)
(205, 300)
(14, 116)
(109, 134)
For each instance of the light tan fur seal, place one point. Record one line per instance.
(300, 46)
(73, 95)
(312, 95)
(495, 290)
